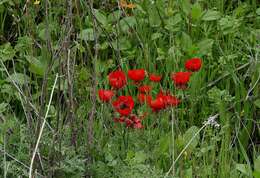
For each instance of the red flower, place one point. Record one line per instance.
(136, 75)
(142, 98)
(145, 89)
(170, 100)
(105, 95)
(134, 122)
(124, 105)
(157, 104)
(117, 79)
(155, 78)
(193, 64)
(181, 79)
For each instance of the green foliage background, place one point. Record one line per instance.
(83, 44)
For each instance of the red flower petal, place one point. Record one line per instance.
(145, 89)
(105, 95)
(193, 64)
(136, 75)
(117, 79)
(155, 78)
(143, 98)
(124, 105)
(157, 104)
(181, 78)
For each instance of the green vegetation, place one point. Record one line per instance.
(56, 54)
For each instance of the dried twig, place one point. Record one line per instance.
(41, 129)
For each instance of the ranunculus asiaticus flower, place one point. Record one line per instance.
(181, 79)
(157, 104)
(124, 105)
(117, 79)
(136, 75)
(105, 95)
(155, 78)
(193, 64)
(145, 88)
(124, 4)
(143, 98)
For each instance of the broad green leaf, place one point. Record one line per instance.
(186, 6)
(140, 157)
(171, 23)
(257, 103)
(156, 36)
(127, 23)
(243, 168)
(196, 11)
(6, 52)
(37, 66)
(189, 135)
(122, 44)
(211, 15)
(186, 42)
(154, 17)
(205, 46)
(100, 17)
(87, 34)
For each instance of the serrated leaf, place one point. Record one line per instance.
(6, 52)
(18, 78)
(211, 15)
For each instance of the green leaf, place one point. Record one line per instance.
(205, 46)
(258, 11)
(18, 78)
(156, 36)
(186, 6)
(196, 11)
(3, 107)
(188, 136)
(127, 23)
(100, 17)
(211, 15)
(6, 52)
(37, 66)
(87, 34)
(171, 23)
(243, 168)
(154, 17)
(257, 164)
(257, 103)
(186, 41)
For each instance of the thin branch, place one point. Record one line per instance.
(41, 130)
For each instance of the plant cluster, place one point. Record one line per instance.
(124, 105)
